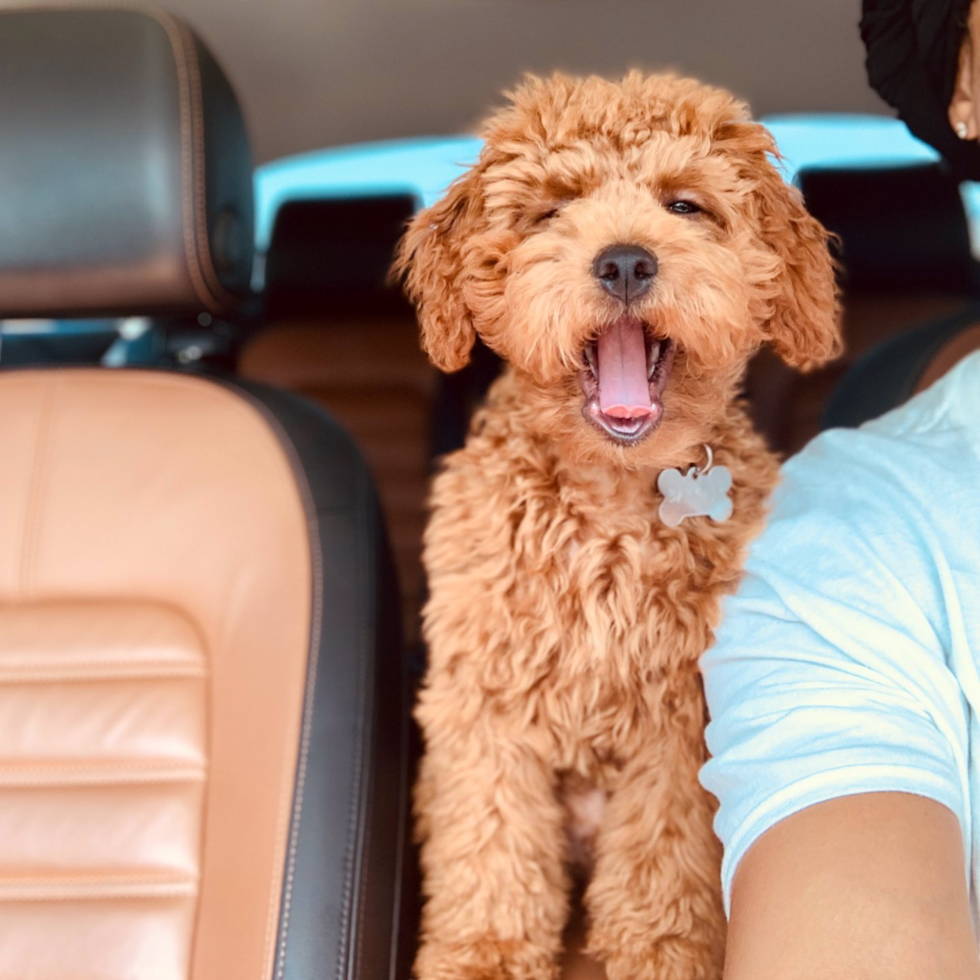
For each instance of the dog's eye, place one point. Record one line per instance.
(541, 217)
(683, 207)
(551, 207)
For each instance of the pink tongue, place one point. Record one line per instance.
(624, 391)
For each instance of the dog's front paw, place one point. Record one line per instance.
(484, 959)
(671, 958)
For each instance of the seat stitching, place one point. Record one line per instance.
(145, 879)
(188, 156)
(114, 894)
(365, 833)
(101, 670)
(313, 664)
(291, 816)
(207, 268)
(157, 663)
(30, 533)
(348, 922)
(100, 780)
(142, 763)
(94, 887)
(97, 773)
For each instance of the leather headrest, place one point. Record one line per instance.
(125, 172)
(333, 256)
(901, 228)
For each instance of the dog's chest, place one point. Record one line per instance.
(618, 581)
(562, 601)
(619, 606)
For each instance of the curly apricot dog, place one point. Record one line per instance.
(625, 247)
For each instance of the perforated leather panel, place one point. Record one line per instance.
(155, 621)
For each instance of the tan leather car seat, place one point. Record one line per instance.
(202, 749)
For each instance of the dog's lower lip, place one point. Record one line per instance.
(626, 432)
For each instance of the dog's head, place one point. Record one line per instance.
(625, 247)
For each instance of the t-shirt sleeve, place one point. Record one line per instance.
(828, 676)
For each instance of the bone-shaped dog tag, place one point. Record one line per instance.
(696, 493)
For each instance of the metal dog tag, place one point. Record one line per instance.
(696, 493)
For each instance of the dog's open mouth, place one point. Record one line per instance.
(623, 376)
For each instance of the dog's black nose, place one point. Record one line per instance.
(626, 271)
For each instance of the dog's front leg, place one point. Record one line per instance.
(655, 896)
(492, 849)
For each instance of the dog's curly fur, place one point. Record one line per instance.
(566, 621)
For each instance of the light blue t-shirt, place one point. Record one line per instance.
(847, 662)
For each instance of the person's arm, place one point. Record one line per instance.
(839, 734)
(865, 887)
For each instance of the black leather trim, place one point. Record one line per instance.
(125, 173)
(901, 228)
(334, 255)
(887, 375)
(340, 911)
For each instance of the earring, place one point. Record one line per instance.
(961, 130)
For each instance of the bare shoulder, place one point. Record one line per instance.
(820, 894)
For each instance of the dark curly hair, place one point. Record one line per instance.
(913, 51)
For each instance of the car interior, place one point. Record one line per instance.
(217, 430)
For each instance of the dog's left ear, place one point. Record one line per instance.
(804, 328)
(430, 260)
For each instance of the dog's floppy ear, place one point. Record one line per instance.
(804, 327)
(430, 259)
(797, 273)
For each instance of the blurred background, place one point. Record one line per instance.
(316, 73)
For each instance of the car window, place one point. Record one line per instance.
(425, 166)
